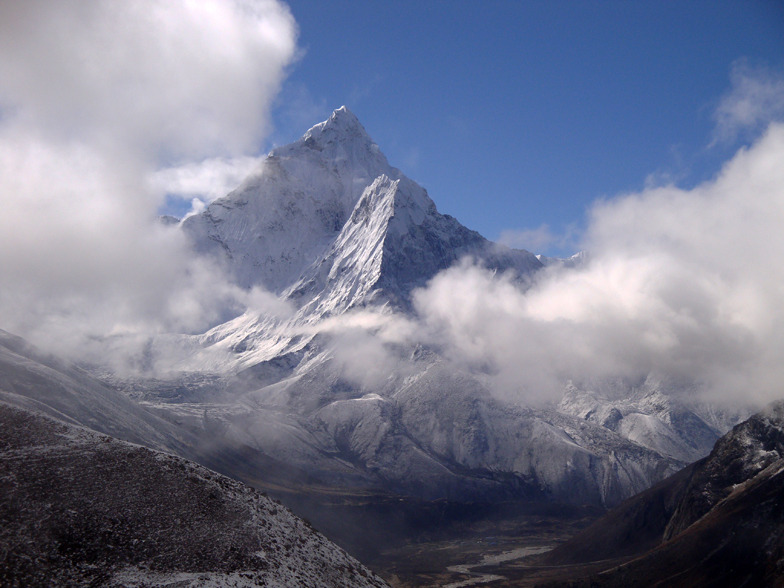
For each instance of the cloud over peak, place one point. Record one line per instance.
(174, 78)
(683, 283)
(94, 98)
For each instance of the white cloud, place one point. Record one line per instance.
(94, 98)
(367, 344)
(208, 179)
(175, 78)
(684, 283)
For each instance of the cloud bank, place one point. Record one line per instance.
(95, 99)
(168, 78)
(755, 99)
(684, 283)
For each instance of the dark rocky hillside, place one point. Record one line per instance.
(80, 508)
(719, 522)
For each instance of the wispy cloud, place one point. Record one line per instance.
(755, 99)
(538, 239)
(297, 109)
(205, 180)
(367, 343)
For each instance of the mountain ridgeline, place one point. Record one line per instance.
(327, 217)
(718, 522)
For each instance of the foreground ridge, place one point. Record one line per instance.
(80, 508)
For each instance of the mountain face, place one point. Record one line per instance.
(281, 218)
(651, 413)
(738, 459)
(328, 223)
(394, 241)
(82, 509)
(718, 522)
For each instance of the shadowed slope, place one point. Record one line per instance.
(78, 508)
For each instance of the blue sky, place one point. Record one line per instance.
(516, 115)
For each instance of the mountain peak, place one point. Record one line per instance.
(294, 214)
(280, 219)
(342, 125)
(343, 114)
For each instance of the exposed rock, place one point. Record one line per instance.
(719, 522)
(79, 508)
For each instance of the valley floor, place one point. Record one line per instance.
(481, 552)
(505, 564)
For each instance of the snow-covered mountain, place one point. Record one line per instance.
(271, 228)
(35, 380)
(328, 223)
(311, 399)
(335, 231)
(329, 226)
(329, 212)
(576, 260)
(653, 413)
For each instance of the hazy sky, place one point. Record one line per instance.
(518, 114)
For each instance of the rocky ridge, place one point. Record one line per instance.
(717, 522)
(79, 508)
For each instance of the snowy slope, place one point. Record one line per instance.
(32, 379)
(285, 215)
(654, 414)
(574, 261)
(434, 432)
